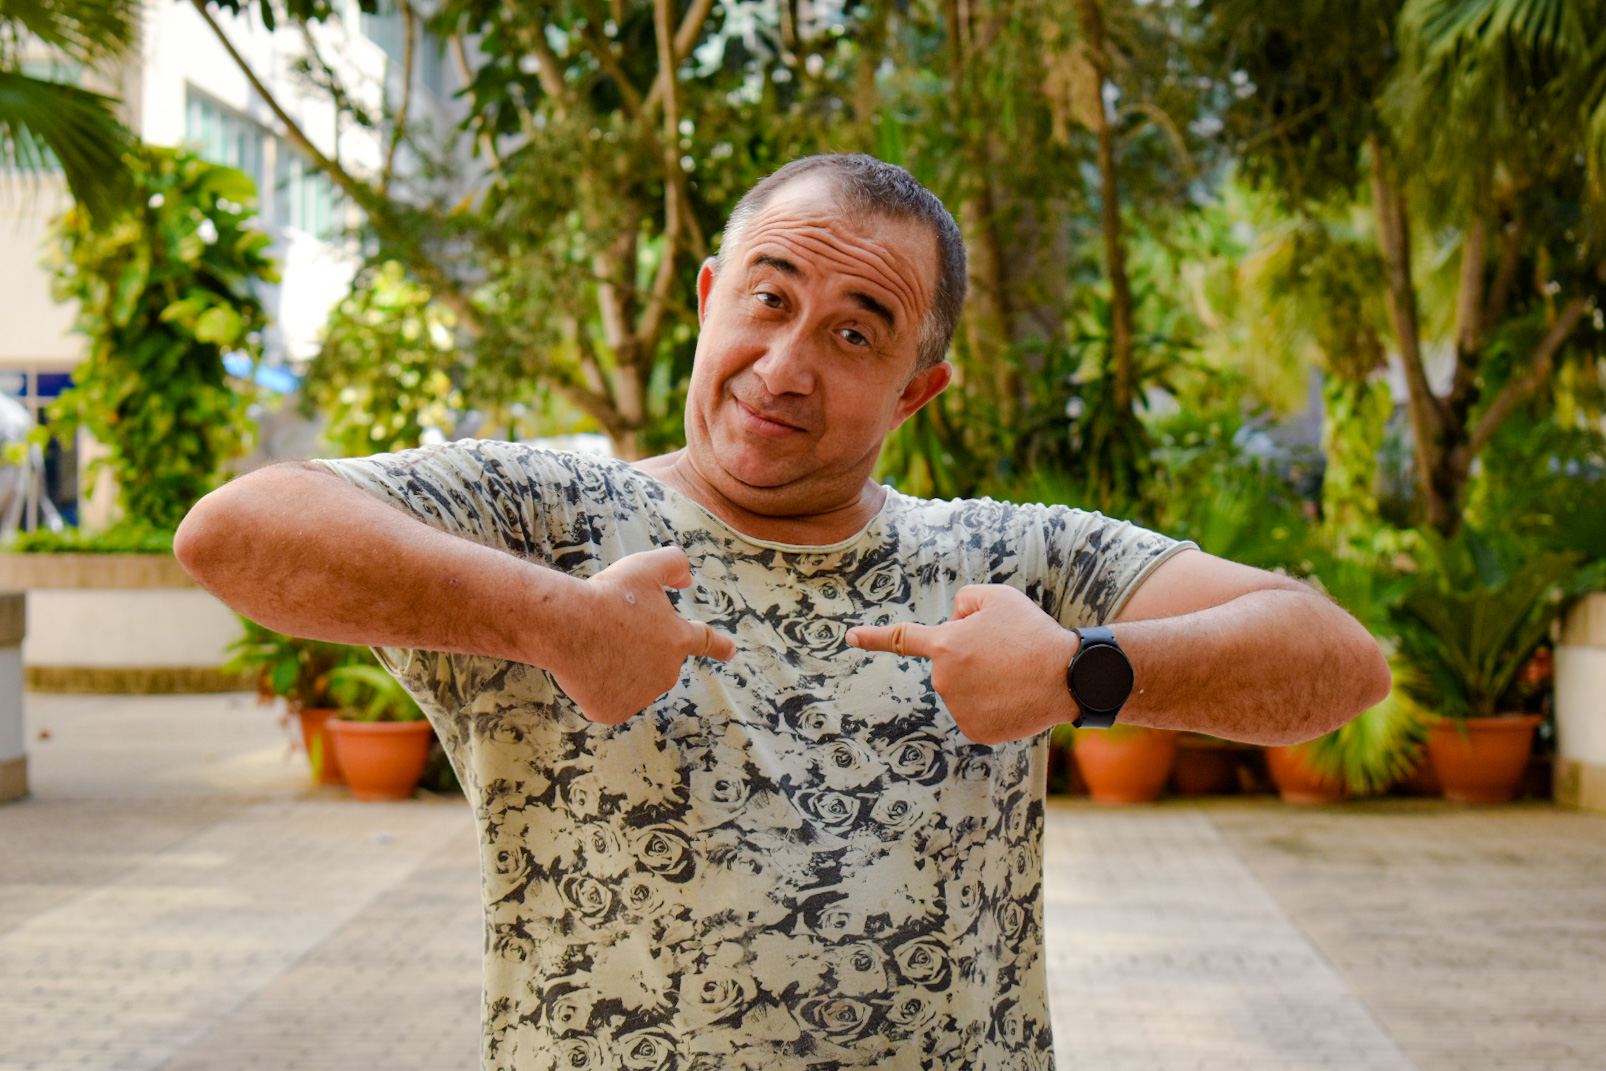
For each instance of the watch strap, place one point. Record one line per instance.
(1087, 717)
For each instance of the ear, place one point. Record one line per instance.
(706, 276)
(925, 386)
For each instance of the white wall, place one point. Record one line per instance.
(34, 330)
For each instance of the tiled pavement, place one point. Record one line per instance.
(175, 897)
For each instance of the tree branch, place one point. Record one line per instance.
(381, 212)
(409, 38)
(549, 69)
(652, 316)
(691, 25)
(1090, 17)
(610, 65)
(1519, 388)
(1469, 315)
(466, 72)
(1394, 239)
(1516, 234)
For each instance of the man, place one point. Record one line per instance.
(786, 814)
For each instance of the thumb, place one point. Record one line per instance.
(666, 566)
(904, 638)
(711, 644)
(973, 597)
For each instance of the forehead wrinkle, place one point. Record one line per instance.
(824, 241)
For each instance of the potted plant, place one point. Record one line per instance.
(381, 738)
(1384, 744)
(1362, 758)
(1475, 616)
(300, 672)
(1124, 763)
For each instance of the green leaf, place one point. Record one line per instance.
(219, 324)
(183, 311)
(284, 676)
(45, 125)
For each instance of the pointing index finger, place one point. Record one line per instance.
(903, 638)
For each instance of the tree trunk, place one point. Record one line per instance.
(1440, 478)
(1090, 16)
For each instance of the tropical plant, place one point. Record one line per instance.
(47, 123)
(1474, 131)
(302, 672)
(1383, 744)
(1226, 485)
(368, 693)
(1378, 748)
(163, 294)
(1478, 608)
(383, 376)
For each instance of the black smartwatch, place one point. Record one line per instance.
(1099, 677)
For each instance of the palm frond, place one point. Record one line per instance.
(87, 31)
(1378, 748)
(44, 123)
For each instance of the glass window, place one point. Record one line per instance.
(221, 136)
(304, 197)
(386, 30)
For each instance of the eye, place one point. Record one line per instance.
(853, 337)
(769, 300)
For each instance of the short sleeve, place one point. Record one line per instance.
(1094, 563)
(500, 495)
(481, 490)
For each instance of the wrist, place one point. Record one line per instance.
(545, 618)
(1062, 705)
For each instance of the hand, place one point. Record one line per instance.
(625, 644)
(999, 664)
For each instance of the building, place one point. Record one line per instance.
(183, 87)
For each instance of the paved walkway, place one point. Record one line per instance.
(175, 896)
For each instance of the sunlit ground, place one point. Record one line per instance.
(175, 895)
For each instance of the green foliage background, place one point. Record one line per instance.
(163, 293)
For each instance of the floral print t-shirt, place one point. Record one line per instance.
(793, 860)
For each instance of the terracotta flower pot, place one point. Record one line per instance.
(1126, 763)
(320, 751)
(1486, 763)
(1205, 766)
(1297, 783)
(382, 760)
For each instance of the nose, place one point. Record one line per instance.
(787, 366)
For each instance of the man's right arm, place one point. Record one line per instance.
(296, 548)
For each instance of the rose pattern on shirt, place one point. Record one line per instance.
(793, 860)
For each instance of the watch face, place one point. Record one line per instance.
(1102, 677)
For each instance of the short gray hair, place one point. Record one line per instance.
(872, 187)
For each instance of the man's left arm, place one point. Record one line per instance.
(1216, 647)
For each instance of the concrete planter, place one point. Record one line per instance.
(132, 623)
(1581, 706)
(13, 745)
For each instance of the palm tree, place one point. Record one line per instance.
(46, 124)
(1500, 108)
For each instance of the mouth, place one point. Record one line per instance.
(765, 423)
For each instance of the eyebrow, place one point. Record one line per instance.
(861, 299)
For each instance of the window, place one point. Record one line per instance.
(432, 63)
(300, 195)
(388, 30)
(303, 196)
(223, 137)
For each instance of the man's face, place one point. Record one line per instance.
(806, 360)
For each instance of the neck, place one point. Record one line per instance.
(835, 521)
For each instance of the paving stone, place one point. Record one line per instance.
(128, 973)
(1477, 935)
(1166, 953)
(176, 896)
